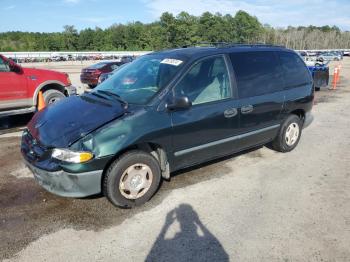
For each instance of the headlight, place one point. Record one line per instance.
(71, 156)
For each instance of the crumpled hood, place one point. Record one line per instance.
(63, 123)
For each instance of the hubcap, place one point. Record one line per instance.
(135, 181)
(53, 100)
(292, 134)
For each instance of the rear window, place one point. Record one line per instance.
(97, 66)
(295, 72)
(257, 73)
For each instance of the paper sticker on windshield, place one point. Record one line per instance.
(170, 61)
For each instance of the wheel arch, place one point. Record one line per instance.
(300, 113)
(156, 150)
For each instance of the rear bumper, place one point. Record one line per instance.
(68, 184)
(308, 119)
(71, 90)
(89, 80)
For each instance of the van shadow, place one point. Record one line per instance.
(194, 242)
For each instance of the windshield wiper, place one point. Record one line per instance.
(118, 97)
(98, 95)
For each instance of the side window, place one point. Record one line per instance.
(206, 81)
(257, 73)
(4, 66)
(294, 69)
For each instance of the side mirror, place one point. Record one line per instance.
(179, 103)
(15, 67)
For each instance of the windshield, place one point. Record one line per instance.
(139, 81)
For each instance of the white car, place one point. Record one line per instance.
(329, 57)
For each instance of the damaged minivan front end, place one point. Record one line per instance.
(60, 150)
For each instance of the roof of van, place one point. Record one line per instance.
(218, 49)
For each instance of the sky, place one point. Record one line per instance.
(52, 15)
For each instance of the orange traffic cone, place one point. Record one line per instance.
(335, 78)
(41, 101)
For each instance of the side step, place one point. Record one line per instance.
(17, 111)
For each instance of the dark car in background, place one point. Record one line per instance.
(104, 76)
(91, 74)
(167, 111)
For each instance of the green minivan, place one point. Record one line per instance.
(166, 111)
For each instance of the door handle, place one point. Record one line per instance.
(247, 109)
(231, 112)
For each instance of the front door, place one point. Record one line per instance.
(13, 88)
(204, 131)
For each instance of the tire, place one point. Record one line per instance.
(317, 88)
(119, 179)
(52, 96)
(283, 143)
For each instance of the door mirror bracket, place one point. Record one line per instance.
(179, 103)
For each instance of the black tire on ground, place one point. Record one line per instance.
(280, 142)
(317, 88)
(114, 174)
(51, 96)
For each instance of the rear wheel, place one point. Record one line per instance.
(289, 134)
(52, 96)
(132, 179)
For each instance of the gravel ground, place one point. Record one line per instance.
(256, 206)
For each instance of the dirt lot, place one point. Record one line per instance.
(257, 206)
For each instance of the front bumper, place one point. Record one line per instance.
(68, 184)
(71, 90)
(308, 119)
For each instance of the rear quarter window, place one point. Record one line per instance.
(257, 73)
(295, 72)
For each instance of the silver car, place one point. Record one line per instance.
(330, 56)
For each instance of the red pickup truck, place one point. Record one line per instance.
(19, 87)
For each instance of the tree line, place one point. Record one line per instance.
(176, 31)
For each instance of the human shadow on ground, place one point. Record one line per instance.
(194, 242)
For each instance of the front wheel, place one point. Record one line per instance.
(289, 134)
(132, 179)
(52, 96)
